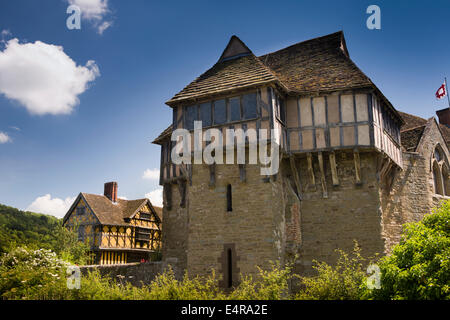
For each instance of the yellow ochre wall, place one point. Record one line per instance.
(85, 222)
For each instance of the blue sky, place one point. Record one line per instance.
(152, 50)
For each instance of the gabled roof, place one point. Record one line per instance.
(317, 65)
(239, 73)
(237, 68)
(163, 135)
(411, 137)
(320, 64)
(414, 122)
(411, 121)
(235, 48)
(109, 213)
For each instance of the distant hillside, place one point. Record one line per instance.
(18, 228)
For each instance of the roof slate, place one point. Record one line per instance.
(163, 135)
(110, 213)
(411, 137)
(317, 65)
(412, 122)
(320, 64)
(227, 75)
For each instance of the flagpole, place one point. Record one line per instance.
(446, 88)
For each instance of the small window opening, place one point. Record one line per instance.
(230, 268)
(229, 199)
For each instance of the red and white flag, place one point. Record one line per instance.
(441, 92)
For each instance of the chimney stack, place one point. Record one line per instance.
(111, 191)
(444, 116)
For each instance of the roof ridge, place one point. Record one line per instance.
(305, 41)
(413, 128)
(412, 115)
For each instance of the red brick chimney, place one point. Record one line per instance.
(111, 191)
(444, 116)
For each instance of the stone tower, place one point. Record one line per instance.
(339, 154)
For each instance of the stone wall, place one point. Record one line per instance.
(255, 226)
(349, 212)
(407, 200)
(134, 273)
(174, 234)
(268, 222)
(412, 194)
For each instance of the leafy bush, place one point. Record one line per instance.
(419, 266)
(68, 247)
(272, 284)
(167, 287)
(25, 272)
(345, 281)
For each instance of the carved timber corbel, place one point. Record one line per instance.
(295, 175)
(323, 182)
(357, 162)
(312, 179)
(334, 175)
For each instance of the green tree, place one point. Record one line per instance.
(419, 266)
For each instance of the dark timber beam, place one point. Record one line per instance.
(357, 167)
(323, 182)
(334, 175)
(312, 179)
(295, 174)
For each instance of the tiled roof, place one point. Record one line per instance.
(446, 133)
(158, 212)
(163, 135)
(320, 64)
(110, 213)
(413, 122)
(411, 137)
(245, 71)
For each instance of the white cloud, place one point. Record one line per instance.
(95, 11)
(123, 198)
(5, 33)
(156, 197)
(42, 77)
(55, 207)
(91, 9)
(105, 25)
(4, 138)
(151, 174)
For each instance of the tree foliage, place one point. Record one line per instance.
(20, 228)
(38, 231)
(419, 266)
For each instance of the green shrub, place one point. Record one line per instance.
(68, 247)
(419, 266)
(24, 272)
(272, 284)
(167, 287)
(345, 281)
